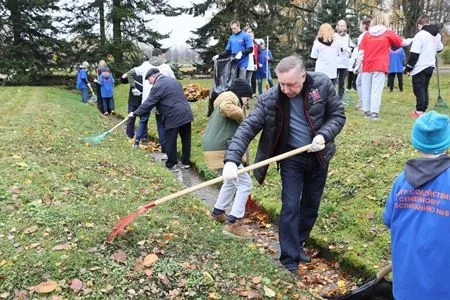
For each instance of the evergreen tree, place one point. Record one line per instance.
(28, 38)
(129, 21)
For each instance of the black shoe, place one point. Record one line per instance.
(304, 257)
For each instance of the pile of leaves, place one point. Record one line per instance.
(194, 92)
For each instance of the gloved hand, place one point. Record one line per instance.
(131, 115)
(124, 75)
(135, 92)
(317, 144)
(215, 57)
(229, 171)
(238, 55)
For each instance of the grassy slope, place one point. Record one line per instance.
(56, 190)
(369, 156)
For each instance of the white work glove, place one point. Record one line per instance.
(229, 171)
(131, 115)
(238, 55)
(135, 92)
(124, 76)
(215, 57)
(407, 42)
(317, 144)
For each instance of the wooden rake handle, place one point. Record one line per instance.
(120, 123)
(220, 178)
(384, 271)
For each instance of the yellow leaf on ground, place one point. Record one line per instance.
(30, 229)
(150, 259)
(46, 287)
(62, 247)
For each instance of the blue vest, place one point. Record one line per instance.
(239, 42)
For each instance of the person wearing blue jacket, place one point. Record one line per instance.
(168, 97)
(397, 60)
(264, 59)
(82, 81)
(240, 45)
(418, 214)
(106, 82)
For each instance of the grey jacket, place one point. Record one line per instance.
(168, 97)
(324, 112)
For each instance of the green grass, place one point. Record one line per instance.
(370, 154)
(57, 190)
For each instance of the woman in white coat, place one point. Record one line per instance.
(325, 52)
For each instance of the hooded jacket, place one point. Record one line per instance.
(418, 214)
(326, 55)
(271, 115)
(426, 43)
(375, 47)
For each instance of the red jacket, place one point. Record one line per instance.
(376, 44)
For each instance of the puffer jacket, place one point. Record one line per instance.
(324, 112)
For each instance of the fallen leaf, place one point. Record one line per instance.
(150, 259)
(21, 295)
(256, 279)
(61, 247)
(268, 292)
(120, 257)
(46, 287)
(76, 285)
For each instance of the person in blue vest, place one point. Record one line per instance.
(396, 62)
(240, 45)
(418, 214)
(82, 81)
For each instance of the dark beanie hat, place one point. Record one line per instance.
(151, 72)
(241, 88)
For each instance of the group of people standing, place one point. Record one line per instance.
(305, 110)
(378, 51)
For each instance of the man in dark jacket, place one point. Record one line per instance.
(303, 109)
(176, 115)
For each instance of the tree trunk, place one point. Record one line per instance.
(117, 31)
(13, 7)
(412, 11)
(101, 15)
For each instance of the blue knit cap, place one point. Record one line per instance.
(431, 133)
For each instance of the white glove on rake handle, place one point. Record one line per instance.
(135, 92)
(230, 171)
(318, 143)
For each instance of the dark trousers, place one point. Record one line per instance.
(341, 73)
(351, 81)
(254, 82)
(108, 104)
(420, 83)
(131, 121)
(170, 144)
(390, 83)
(303, 180)
(160, 127)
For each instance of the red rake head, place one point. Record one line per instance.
(125, 221)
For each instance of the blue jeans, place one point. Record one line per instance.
(84, 95)
(260, 81)
(131, 121)
(303, 180)
(142, 130)
(108, 104)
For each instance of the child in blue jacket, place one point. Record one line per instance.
(418, 215)
(397, 60)
(82, 81)
(106, 82)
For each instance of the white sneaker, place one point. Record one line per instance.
(163, 156)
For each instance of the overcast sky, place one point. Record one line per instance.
(180, 26)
